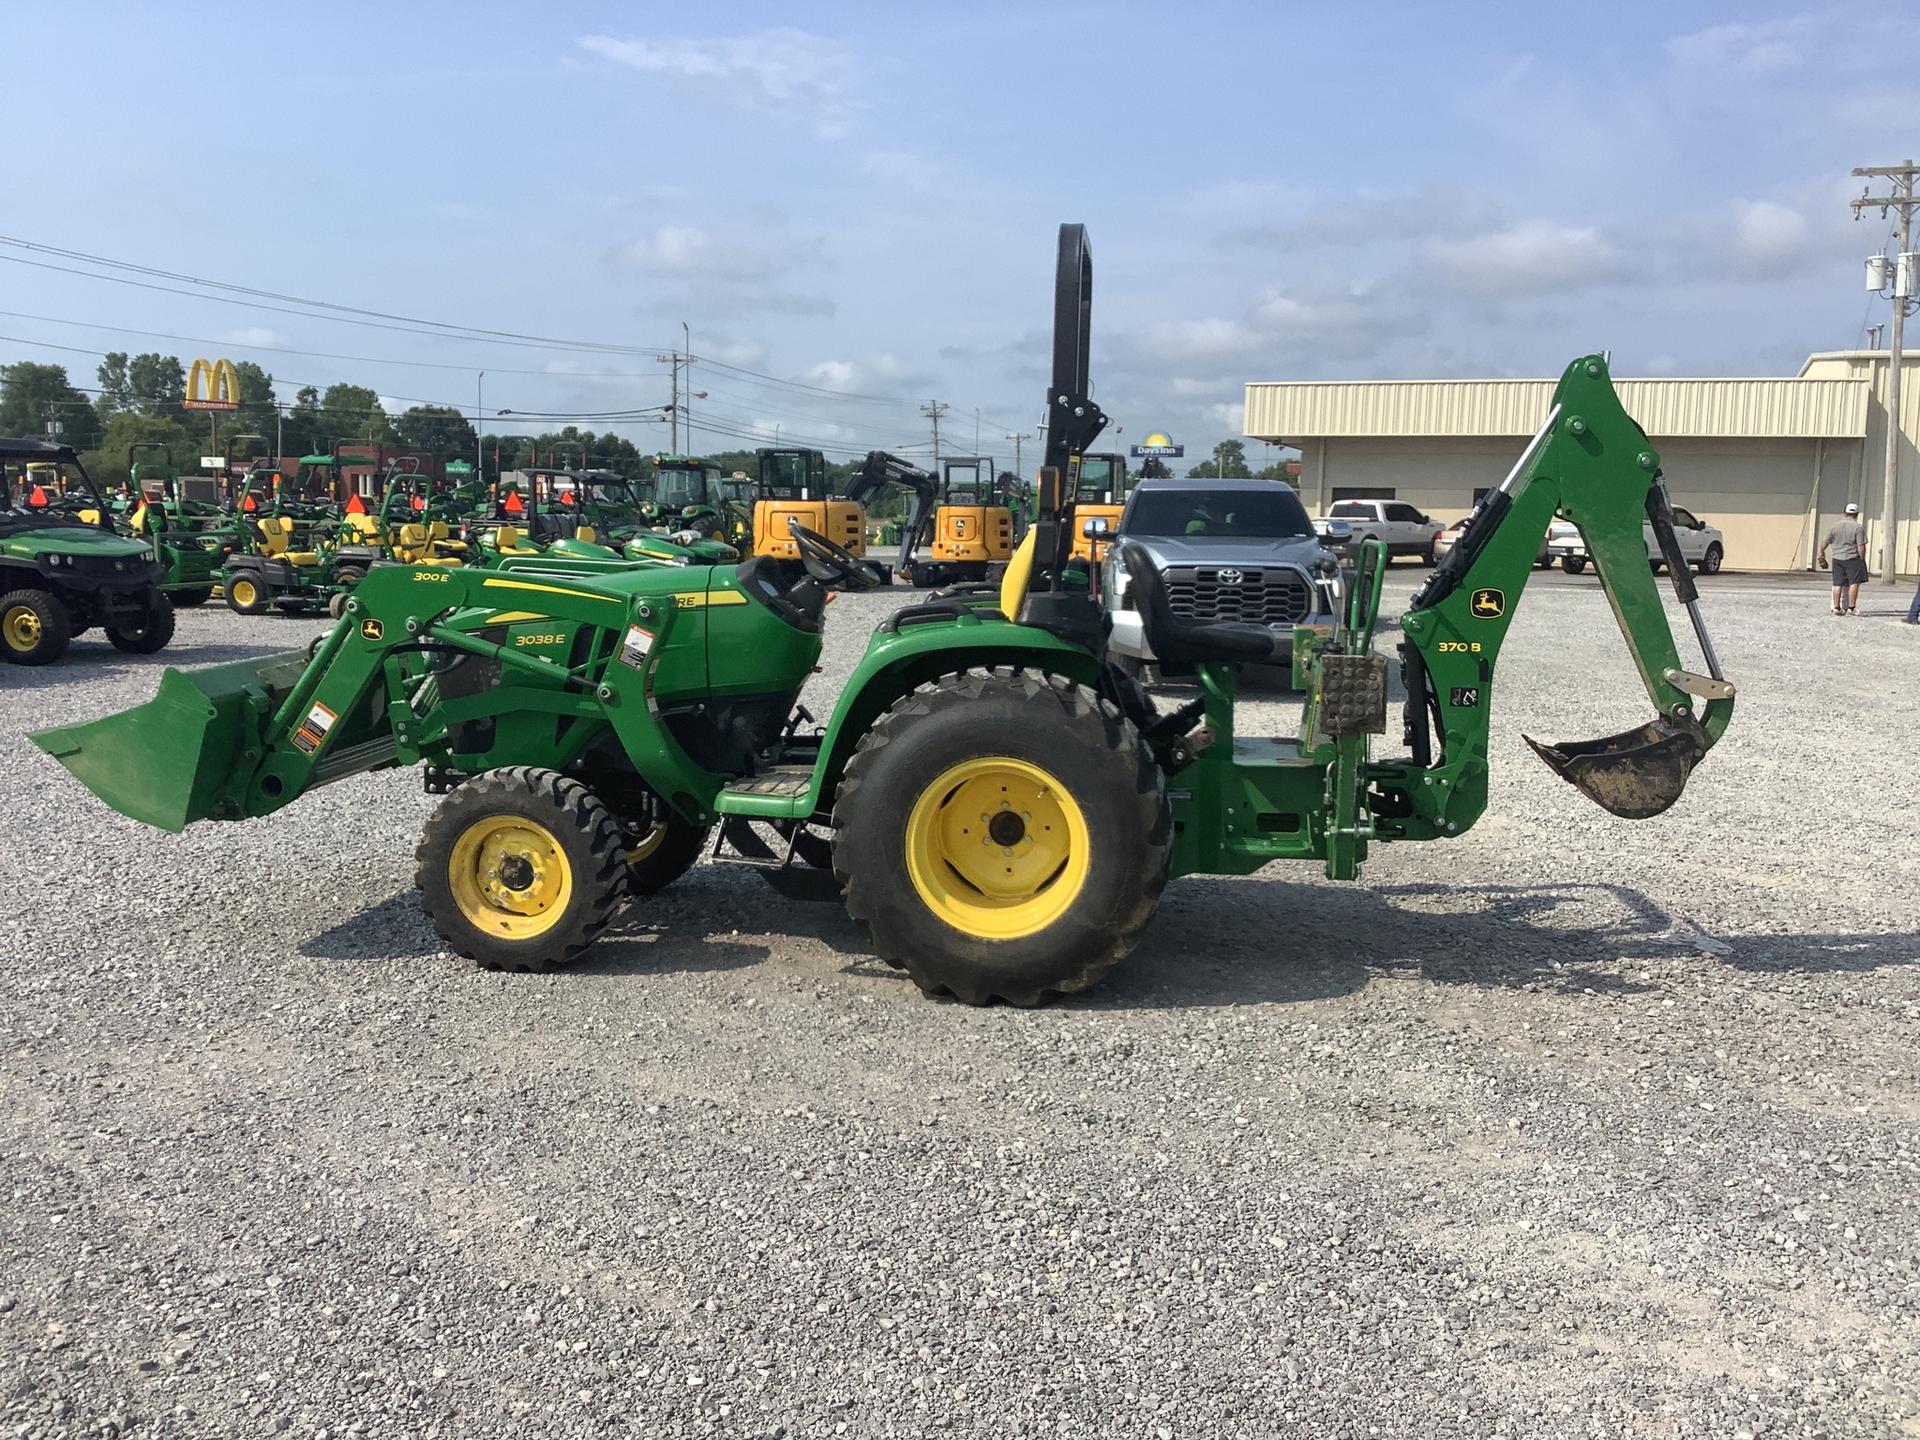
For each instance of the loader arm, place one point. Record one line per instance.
(1590, 464)
(236, 741)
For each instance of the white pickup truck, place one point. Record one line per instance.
(1403, 529)
(1701, 545)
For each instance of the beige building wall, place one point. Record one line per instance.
(1771, 462)
(1763, 494)
(1873, 367)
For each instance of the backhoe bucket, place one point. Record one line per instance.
(168, 762)
(1635, 775)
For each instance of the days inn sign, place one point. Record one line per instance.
(1159, 444)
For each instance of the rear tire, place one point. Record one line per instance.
(519, 869)
(147, 639)
(34, 629)
(1574, 564)
(1071, 858)
(1711, 561)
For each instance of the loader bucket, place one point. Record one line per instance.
(170, 761)
(1635, 775)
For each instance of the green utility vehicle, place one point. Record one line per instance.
(62, 567)
(996, 803)
(190, 538)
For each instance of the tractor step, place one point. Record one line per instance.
(785, 781)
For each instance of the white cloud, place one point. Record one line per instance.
(1205, 340)
(907, 170)
(1770, 237)
(748, 254)
(1531, 257)
(755, 266)
(787, 73)
(1764, 47)
(875, 374)
(255, 335)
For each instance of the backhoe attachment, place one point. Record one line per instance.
(1590, 464)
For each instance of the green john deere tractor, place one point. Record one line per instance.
(63, 568)
(994, 801)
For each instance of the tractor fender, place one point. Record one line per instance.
(898, 662)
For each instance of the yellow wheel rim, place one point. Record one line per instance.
(647, 844)
(22, 629)
(243, 592)
(510, 877)
(997, 848)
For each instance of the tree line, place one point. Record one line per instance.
(140, 398)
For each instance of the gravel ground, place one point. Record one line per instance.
(1570, 1127)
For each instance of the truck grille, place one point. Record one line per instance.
(1274, 595)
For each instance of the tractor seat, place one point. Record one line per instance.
(1186, 642)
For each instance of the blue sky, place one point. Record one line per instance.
(861, 199)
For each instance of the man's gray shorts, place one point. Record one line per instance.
(1849, 572)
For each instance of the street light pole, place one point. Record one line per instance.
(687, 334)
(479, 416)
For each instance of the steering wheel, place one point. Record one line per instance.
(828, 562)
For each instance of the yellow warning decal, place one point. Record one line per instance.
(550, 590)
(702, 599)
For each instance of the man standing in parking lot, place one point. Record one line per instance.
(1847, 542)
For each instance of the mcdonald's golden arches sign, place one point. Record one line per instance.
(212, 385)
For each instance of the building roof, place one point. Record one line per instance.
(1797, 407)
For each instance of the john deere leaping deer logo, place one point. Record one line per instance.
(1488, 604)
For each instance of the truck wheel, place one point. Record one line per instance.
(1032, 827)
(248, 594)
(1710, 562)
(1574, 564)
(519, 869)
(33, 627)
(149, 638)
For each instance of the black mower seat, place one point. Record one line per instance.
(1186, 642)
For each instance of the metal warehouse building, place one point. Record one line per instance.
(1769, 461)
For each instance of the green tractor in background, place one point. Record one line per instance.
(63, 568)
(294, 556)
(191, 539)
(694, 498)
(991, 797)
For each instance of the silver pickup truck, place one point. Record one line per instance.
(1240, 550)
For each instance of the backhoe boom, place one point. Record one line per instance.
(1590, 464)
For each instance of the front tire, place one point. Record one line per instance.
(149, 638)
(34, 629)
(1031, 825)
(247, 594)
(1711, 561)
(189, 599)
(519, 869)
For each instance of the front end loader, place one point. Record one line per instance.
(991, 797)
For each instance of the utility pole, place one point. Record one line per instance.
(1900, 198)
(1018, 437)
(933, 410)
(674, 408)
